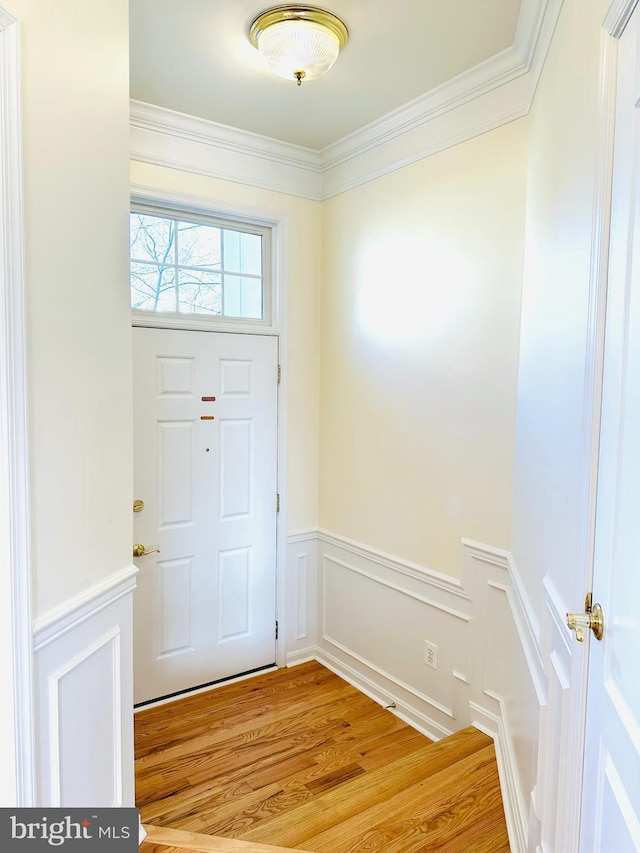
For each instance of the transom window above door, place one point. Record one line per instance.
(196, 265)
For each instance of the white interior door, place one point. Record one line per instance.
(205, 422)
(611, 800)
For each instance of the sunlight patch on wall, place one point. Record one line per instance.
(411, 289)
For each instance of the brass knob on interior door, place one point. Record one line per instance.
(592, 619)
(140, 551)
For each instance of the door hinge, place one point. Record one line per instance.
(276, 629)
(279, 374)
(278, 503)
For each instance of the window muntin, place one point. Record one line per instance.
(183, 264)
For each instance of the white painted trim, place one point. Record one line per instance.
(460, 90)
(529, 28)
(112, 637)
(521, 609)
(490, 94)
(515, 810)
(168, 138)
(18, 749)
(528, 630)
(558, 612)
(536, 25)
(67, 637)
(397, 683)
(73, 612)
(420, 722)
(474, 118)
(469, 697)
(280, 318)
(301, 656)
(457, 614)
(306, 535)
(190, 127)
(447, 583)
(618, 16)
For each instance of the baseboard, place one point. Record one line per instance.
(497, 727)
(378, 646)
(83, 666)
(302, 656)
(378, 690)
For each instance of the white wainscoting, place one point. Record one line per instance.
(366, 615)
(84, 697)
(301, 595)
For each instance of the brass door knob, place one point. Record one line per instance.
(592, 618)
(140, 551)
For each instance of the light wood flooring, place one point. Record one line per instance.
(299, 759)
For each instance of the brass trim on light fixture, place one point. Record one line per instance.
(298, 13)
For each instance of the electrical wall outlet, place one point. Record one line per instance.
(430, 654)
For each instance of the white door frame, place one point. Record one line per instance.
(278, 221)
(17, 784)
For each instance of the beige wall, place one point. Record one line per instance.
(549, 468)
(76, 141)
(303, 321)
(422, 272)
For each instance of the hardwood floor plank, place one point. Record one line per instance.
(228, 765)
(298, 759)
(159, 727)
(246, 718)
(353, 797)
(428, 801)
(234, 823)
(377, 752)
(336, 777)
(473, 822)
(313, 713)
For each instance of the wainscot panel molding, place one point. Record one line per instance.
(301, 595)
(490, 94)
(84, 697)
(556, 819)
(367, 615)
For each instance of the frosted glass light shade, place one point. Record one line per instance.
(298, 42)
(299, 47)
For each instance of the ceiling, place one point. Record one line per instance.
(194, 56)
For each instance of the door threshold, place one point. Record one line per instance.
(202, 688)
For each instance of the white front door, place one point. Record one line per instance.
(205, 466)
(611, 800)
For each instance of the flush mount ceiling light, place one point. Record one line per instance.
(298, 42)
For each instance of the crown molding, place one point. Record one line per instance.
(618, 16)
(169, 138)
(455, 93)
(536, 26)
(490, 94)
